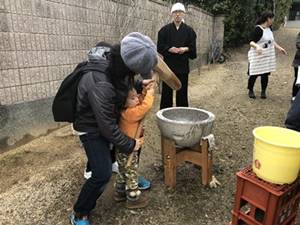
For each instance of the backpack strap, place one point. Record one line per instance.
(261, 27)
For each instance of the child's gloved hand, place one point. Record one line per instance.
(146, 82)
(151, 88)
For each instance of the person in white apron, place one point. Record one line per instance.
(296, 65)
(261, 56)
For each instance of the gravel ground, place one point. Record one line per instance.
(41, 179)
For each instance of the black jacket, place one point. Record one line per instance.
(96, 108)
(293, 117)
(168, 37)
(296, 61)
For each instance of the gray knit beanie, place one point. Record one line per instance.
(139, 53)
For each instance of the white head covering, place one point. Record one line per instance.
(178, 7)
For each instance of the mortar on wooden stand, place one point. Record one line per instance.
(182, 140)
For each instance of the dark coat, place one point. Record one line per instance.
(96, 108)
(296, 61)
(293, 117)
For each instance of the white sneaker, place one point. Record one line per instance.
(115, 167)
(87, 174)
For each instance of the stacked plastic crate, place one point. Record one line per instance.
(258, 202)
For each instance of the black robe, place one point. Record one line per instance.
(168, 37)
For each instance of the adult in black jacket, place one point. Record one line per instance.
(293, 117)
(100, 98)
(177, 43)
(296, 64)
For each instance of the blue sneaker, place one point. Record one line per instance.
(143, 183)
(75, 221)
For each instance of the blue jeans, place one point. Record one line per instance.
(98, 154)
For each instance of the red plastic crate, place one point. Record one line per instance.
(258, 202)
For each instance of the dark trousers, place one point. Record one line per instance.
(99, 158)
(113, 159)
(295, 88)
(264, 81)
(181, 95)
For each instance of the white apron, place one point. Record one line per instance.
(266, 62)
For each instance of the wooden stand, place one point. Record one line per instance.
(173, 156)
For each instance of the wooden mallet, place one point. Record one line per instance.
(166, 74)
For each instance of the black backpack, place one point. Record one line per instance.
(64, 103)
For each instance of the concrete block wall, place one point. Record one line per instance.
(219, 29)
(42, 40)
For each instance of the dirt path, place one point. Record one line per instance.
(41, 180)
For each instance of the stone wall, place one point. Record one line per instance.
(42, 40)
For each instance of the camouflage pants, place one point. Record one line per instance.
(127, 176)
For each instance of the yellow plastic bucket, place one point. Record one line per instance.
(276, 156)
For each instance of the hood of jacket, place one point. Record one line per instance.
(98, 53)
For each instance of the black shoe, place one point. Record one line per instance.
(251, 94)
(263, 95)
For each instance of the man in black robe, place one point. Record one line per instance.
(177, 44)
